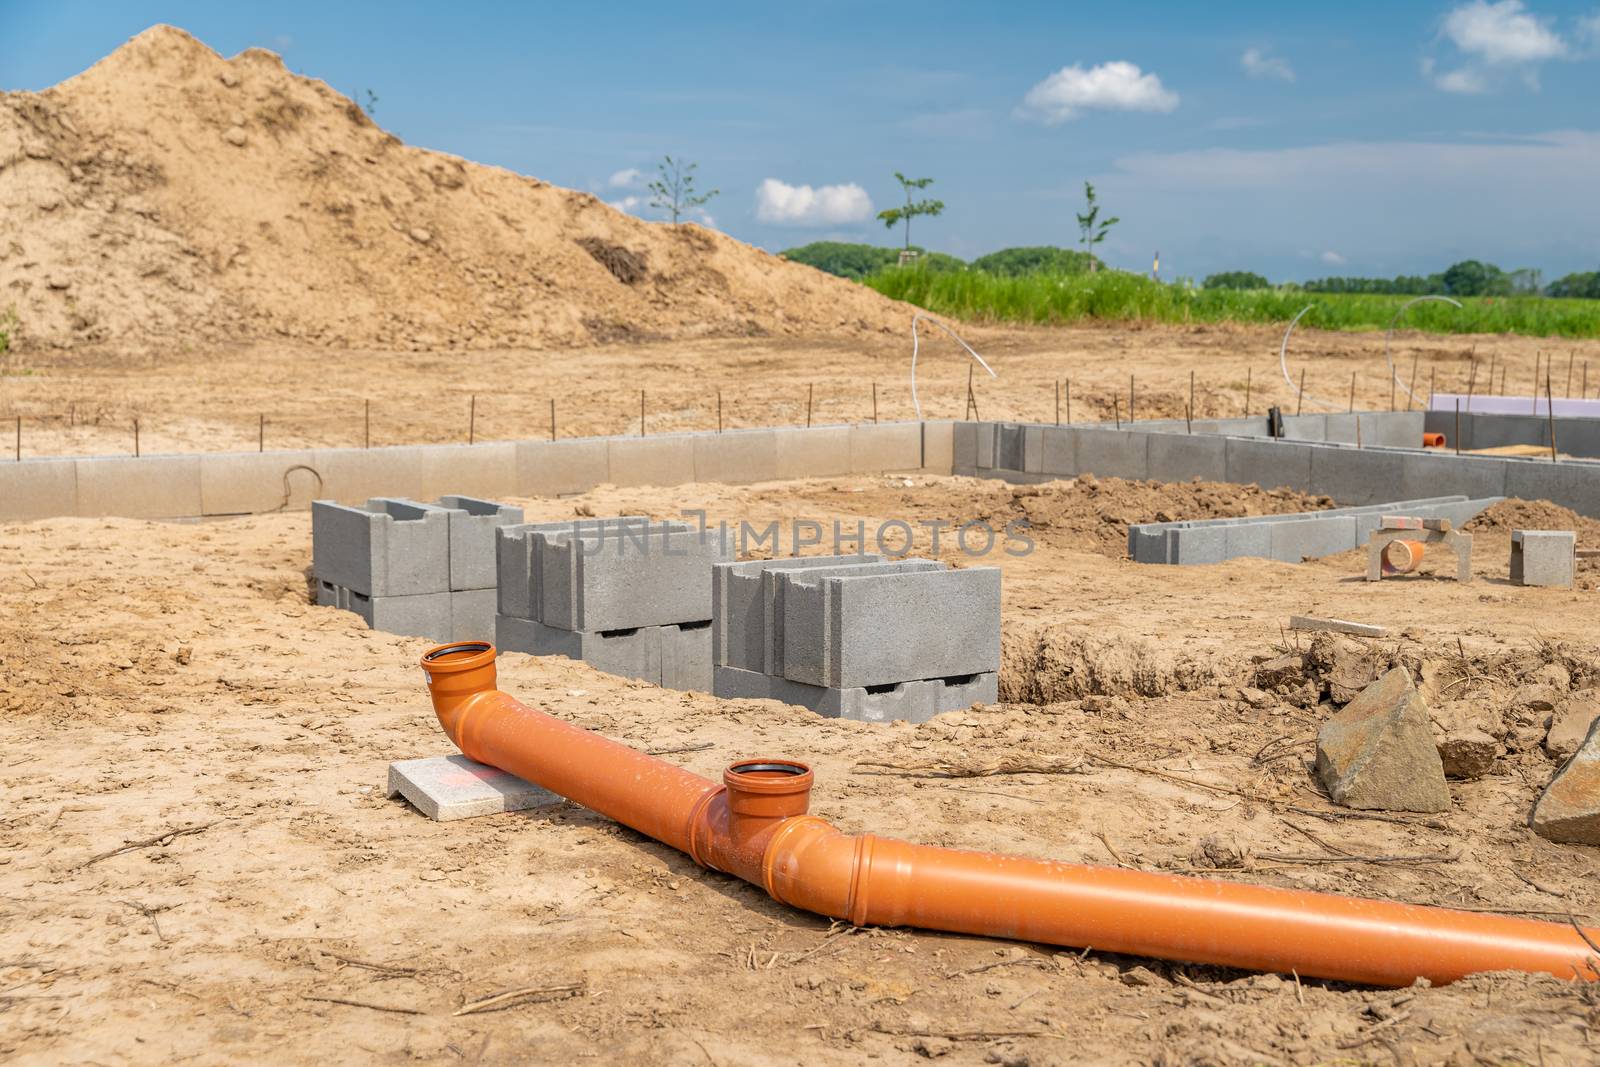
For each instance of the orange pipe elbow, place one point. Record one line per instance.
(755, 825)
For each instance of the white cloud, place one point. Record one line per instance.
(783, 204)
(1497, 40)
(1466, 80)
(627, 178)
(630, 204)
(1259, 64)
(1502, 33)
(1332, 258)
(1115, 86)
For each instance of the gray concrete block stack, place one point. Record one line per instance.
(858, 638)
(626, 595)
(424, 570)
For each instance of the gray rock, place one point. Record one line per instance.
(1379, 753)
(1568, 810)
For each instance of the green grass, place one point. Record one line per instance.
(1052, 299)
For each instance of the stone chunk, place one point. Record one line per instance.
(1569, 808)
(1570, 722)
(454, 787)
(1378, 753)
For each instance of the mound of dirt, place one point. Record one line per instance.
(168, 192)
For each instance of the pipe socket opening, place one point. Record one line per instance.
(458, 656)
(768, 788)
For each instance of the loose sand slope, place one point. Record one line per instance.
(170, 192)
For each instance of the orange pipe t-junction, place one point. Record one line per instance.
(754, 825)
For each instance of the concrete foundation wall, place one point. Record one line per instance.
(238, 483)
(1578, 437)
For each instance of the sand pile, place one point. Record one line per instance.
(169, 193)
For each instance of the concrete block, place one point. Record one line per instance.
(559, 468)
(249, 483)
(1432, 473)
(916, 701)
(1250, 540)
(632, 653)
(150, 487)
(774, 593)
(1378, 752)
(1304, 539)
(1305, 428)
(1148, 543)
(1010, 446)
(418, 615)
(1575, 484)
(844, 631)
(938, 446)
(1579, 437)
(885, 446)
(38, 489)
(814, 452)
(739, 611)
(1175, 457)
(736, 457)
(1059, 448)
(988, 434)
(1543, 557)
(1357, 476)
(445, 788)
(472, 614)
(518, 560)
(663, 459)
(1271, 464)
(385, 548)
(617, 579)
(1033, 449)
(472, 526)
(686, 656)
(964, 445)
(1113, 453)
(1189, 545)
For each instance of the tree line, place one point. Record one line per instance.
(1470, 277)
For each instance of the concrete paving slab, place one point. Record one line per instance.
(446, 788)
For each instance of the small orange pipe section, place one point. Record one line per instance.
(754, 825)
(1432, 440)
(1402, 557)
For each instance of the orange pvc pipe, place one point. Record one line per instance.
(1402, 557)
(754, 825)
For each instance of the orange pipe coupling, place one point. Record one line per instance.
(1432, 440)
(754, 825)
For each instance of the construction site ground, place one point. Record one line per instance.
(198, 863)
(194, 397)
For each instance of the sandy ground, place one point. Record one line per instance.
(168, 687)
(205, 398)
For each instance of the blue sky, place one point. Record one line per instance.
(1296, 140)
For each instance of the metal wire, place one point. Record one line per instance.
(915, 345)
(1387, 337)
